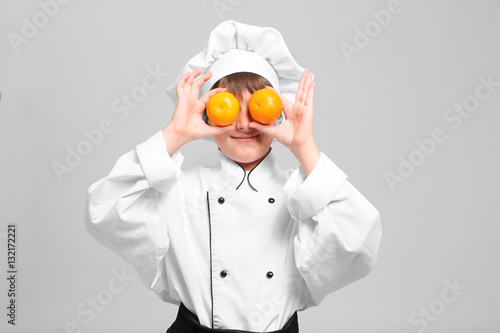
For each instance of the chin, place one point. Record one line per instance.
(244, 154)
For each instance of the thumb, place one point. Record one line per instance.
(216, 130)
(266, 129)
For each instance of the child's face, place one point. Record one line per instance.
(244, 145)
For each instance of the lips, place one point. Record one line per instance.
(245, 138)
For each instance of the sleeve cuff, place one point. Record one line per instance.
(306, 197)
(161, 169)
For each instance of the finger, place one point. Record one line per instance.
(298, 96)
(190, 79)
(284, 101)
(217, 130)
(266, 129)
(288, 111)
(305, 88)
(201, 105)
(200, 81)
(196, 72)
(182, 81)
(310, 94)
(206, 97)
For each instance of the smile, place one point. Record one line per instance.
(246, 138)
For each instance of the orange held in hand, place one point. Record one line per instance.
(265, 106)
(223, 108)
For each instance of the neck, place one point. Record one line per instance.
(250, 165)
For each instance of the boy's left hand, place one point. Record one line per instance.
(296, 132)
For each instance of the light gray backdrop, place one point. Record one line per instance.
(407, 104)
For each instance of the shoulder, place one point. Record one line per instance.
(282, 176)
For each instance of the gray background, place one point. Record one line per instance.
(440, 224)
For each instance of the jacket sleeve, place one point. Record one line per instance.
(124, 211)
(339, 231)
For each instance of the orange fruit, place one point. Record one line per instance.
(265, 106)
(223, 108)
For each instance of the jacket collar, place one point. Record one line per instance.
(264, 174)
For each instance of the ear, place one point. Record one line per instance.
(205, 117)
(281, 119)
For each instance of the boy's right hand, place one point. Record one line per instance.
(187, 123)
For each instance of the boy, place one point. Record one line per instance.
(263, 243)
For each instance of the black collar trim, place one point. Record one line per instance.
(248, 176)
(244, 171)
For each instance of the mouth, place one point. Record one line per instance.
(245, 138)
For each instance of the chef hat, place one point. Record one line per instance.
(236, 47)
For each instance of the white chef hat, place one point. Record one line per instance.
(236, 47)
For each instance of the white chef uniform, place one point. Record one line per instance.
(240, 250)
(238, 255)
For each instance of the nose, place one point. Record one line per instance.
(244, 118)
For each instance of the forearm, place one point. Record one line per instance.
(338, 232)
(173, 141)
(116, 204)
(307, 155)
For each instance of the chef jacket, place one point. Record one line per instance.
(241, 250)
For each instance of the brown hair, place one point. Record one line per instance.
(238, 83)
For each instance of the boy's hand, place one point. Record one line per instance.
(296, 132)
(187, 123)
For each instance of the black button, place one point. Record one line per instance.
(269, 274)
(221, 200)
(223, 274)
(271, 200)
